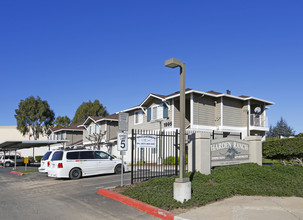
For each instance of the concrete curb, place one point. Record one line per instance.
(160, 213)
(18, 173)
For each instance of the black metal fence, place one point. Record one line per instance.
(159, 160)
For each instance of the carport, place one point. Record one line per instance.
(16, 145)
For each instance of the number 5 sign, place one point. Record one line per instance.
(122, 142)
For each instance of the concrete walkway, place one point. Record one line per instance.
(249, 208)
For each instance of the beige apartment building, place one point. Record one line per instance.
(204, 111)
(208, 112)
(72, 135)
(10, 133)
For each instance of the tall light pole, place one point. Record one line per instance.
(182, 185)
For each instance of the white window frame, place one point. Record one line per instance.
(159, 112)
(138, 115)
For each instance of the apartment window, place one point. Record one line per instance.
(90, 129)
(97, 128)
(138, 117)
(157, 112)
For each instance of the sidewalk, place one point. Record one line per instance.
(249, 208)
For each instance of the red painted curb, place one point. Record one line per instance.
(18, 173)
(160, 213)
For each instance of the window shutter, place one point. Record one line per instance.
(165, 111)
(148, 114)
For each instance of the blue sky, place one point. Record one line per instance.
(69, 52)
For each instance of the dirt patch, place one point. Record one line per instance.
(211, 182)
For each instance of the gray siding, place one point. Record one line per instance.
(73, 136)
(177, 113)
(204, 110)
(218, 118)
(233, 114)
(112, 129)
(245, 116)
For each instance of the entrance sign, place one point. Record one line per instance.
(229, 151)
(146, 141)
(122, 142)
(123, 121)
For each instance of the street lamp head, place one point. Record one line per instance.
(173, 63)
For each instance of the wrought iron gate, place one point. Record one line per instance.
(154, 162)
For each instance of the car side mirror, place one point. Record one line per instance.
(111, 158)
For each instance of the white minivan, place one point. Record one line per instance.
(75, 164)
(45, 162)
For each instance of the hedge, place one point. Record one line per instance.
(171, 160)
(223, 182)
(283, 149)
(38, 158)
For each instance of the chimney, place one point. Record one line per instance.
(228, 92)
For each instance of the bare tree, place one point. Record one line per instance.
(97, 138)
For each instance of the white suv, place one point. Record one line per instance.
(74, 164)
(9, 160)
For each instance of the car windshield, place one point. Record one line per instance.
(57, 155)
(46, 156)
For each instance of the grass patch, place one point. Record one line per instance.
(270, 161)
(28, 171)
(223, 182)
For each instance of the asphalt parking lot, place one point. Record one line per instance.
(36, 196)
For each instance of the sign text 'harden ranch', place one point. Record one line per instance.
(229, 151)
(225, 145)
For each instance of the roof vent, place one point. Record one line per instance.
(228, 92)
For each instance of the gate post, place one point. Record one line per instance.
(203, 153)
(132, 166)
(191, 158)
(176, 152)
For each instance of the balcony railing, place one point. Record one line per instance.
(258, 121)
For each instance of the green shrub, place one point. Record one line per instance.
(142, 162)
(38, 158)
(172, 160)
(283, 149)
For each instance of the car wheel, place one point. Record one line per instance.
(7, 164)
(75, 173)
(118, 169)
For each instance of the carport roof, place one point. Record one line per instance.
(12, 145)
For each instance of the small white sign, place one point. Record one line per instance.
(146, 141)
(122, 142)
